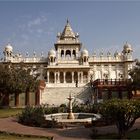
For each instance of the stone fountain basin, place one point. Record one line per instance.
(79, 117)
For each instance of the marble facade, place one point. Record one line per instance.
(70, 65)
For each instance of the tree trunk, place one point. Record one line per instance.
(130, 94)
(122, 134)
(37, 97)
(4, 101)
(122, 128)
(16, 99)
(27, 98)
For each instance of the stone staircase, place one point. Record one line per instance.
(58, 95)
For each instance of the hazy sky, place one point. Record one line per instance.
(103, 26)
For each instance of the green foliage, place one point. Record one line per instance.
(123, 112)
(16, 79)
(33, 116)
(4, 82)
(51, 110)
(135, 75)
(86, 108)
(22, 80)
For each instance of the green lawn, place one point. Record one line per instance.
(135, 134)
(8, 112)
(6, 136)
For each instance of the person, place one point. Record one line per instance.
(91, 83)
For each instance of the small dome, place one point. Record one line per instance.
(127, 47)
(116, 54)
(8, 48)
(77, 34)
(108, 53)
(58, 35)
(52, 53)
(84, 52)
(94, 54)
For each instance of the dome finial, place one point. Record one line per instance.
(67, 20)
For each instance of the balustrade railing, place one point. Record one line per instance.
(111, 82)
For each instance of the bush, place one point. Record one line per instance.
(32, 116)
(122, 112)
(51, 110)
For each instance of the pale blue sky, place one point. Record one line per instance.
(103, 26)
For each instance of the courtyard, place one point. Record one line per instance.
(9, 126)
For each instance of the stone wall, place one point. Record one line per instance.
(58, 96)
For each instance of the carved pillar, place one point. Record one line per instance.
(78, 77)
(102, 71)
(58, 77)
(109, 74)
(55, 77)
(88, 76)
(82, 77)
(72, 77)
(64, 74)
(64, 53)
(58, 53)
(48, 76)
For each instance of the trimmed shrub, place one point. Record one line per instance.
(32, 116)
(51, 110)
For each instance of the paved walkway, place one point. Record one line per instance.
(76, 133)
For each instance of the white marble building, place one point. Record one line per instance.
(68, 65)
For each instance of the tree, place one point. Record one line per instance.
(16, 80)
(4, 84)
(135, 75)
(123, 112)
(31, 83)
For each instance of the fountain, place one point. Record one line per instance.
(72, 118)
(70, 114)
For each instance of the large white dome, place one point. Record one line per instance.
(9, 48)
(84, 52)
(52, 53)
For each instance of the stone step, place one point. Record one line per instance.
(57, 96)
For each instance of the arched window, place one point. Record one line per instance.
(75, 76)
(85, 76)
(61, 77)
(62, 53)
(51, 77)
(68, 53)
(68, 77)
(51, 59)
(85, 59)
(74, 53)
